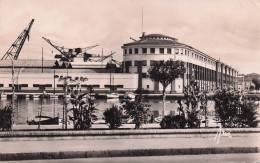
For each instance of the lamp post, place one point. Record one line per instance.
(12, 95)
(54, 67)
(17, 77)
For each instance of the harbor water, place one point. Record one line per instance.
(26, 108)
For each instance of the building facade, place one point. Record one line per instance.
(209, 72)
(138, 57)
(38, 76)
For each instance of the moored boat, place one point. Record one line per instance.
(43, 120)
(112, 95)
(129, 95)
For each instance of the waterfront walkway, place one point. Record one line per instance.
(31, 145)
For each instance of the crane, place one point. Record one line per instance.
(14, 51)
(116, 62)
(105, 57)
(68, 54)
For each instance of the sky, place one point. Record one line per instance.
(228, 30)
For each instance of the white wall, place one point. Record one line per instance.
(102, 79)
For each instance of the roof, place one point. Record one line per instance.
(155, 39)
(158, 36)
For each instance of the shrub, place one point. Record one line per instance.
(234, 110)
(192, 97)
(6, 118)
(227, 103)
(248, 115)
(170, 122)
(83, 111)
(138, 110)
(113, 116)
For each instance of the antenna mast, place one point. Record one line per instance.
(142, 19)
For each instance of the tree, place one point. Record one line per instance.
(227, 104)
(256, 81)
(234, 110)
(6, 118)
(138, 110)
(165, 72)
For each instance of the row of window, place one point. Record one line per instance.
(202, 73)
(126, 64)
(169, 51)
(194, 55)
(143, 63)
(145, 51)
(61, 85)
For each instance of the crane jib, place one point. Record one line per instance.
(14, 51)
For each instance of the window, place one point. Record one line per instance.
(59, 85)
(152, 63)
(144, 63)
(144, 50)
(136, 50)
(136, 63)
(107, 86)
(120, 86)
(1, 85)
(144, 75)
(48, 85)
(169, 51)
(181, 51)
(147, 86)
(125, 51)
(161, 50)
(176, 51)
(152, 50)
(130, 51)
(35, 85)
(128, 63)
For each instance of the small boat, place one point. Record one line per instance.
(129, 95)
(112, 95)
(43, 120)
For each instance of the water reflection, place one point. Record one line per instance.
(27, 108)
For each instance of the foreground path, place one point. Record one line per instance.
(19, 148)
(249, 157)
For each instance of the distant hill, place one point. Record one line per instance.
(251, 76)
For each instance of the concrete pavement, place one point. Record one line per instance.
(210, 158)
(20, 148)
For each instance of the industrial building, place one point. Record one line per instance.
(138, 57)
(209, 72)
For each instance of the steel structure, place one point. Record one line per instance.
(14, 51)
(68, 54)
(105, 57)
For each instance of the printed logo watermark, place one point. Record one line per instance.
(220, 133)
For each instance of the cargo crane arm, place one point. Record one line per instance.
(59, 48)
(116, 62)
(14, 51)
(69, 53)
(105, 57)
